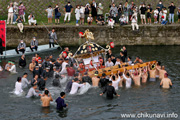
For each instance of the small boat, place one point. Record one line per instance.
(41, 48)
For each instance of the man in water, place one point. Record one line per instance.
(110, 91)
(152, 73)
(22, 61)
(162, 71)
(127, 78)
(124, 51)
(129, 60)
(33, 92)
(18, 86)
(138, 60)
(158, 65)
(24, 81)
(34, 44)
(75, 86)
(166, 82)
(95, 79)
(86, 78)
(60, 101)
(41, 84)
(34, 80)
(109, 63)
(32, 65)
(56, 81)
(136, 77)
(8, 65)
(21, 47)
(52, 38)
(115, 81)
(46, 73)
(36, 71)
(123, 58)
(46, 99)
(104, 81)
(69, 84)
(70, 71)
(13, 68)
(64, 66)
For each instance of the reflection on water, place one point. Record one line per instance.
(148, 97)
(46, 110)
(62, 113)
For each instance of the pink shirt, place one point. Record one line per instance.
(21, 10)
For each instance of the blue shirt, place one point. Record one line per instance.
(60, 103)
(68, 8)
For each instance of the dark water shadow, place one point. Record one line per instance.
(62, 113)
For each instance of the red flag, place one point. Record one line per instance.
(3, 32)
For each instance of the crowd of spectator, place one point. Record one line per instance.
(123, 14)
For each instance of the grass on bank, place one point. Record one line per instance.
(73, 20)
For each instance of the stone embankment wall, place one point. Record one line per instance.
(68, 35)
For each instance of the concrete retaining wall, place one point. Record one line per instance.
(68, 35)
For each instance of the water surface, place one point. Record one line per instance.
(147, 98)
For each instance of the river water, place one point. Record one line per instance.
(148, 98)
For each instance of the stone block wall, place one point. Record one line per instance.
(68, 35)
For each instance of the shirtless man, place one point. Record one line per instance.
(152, 73)
(95, 79)
(144, 75)
(166, 82)
(161, 72)
(32, 65)
(138, 60)
(46, 99)
(158, 65)
(136, 77)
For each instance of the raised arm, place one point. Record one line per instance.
(170, 83)
(140, 73)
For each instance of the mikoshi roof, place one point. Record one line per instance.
(83, 51)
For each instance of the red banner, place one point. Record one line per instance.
(3, 32)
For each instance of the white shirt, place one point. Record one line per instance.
(129, 62)
(109, 64)
(122, 19)
(75, 87)
(24, 82)
(89, 18)
(156, 12)
(77, 11)
(111, 21)
(134, 20)
(128, 81)
(10, 10)
(82, 10)
(31, 17)
(164, 14)
(31, 93)
(63, 70)
(115, 84)
(18, 88)
(12, 69)
(117, 63)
